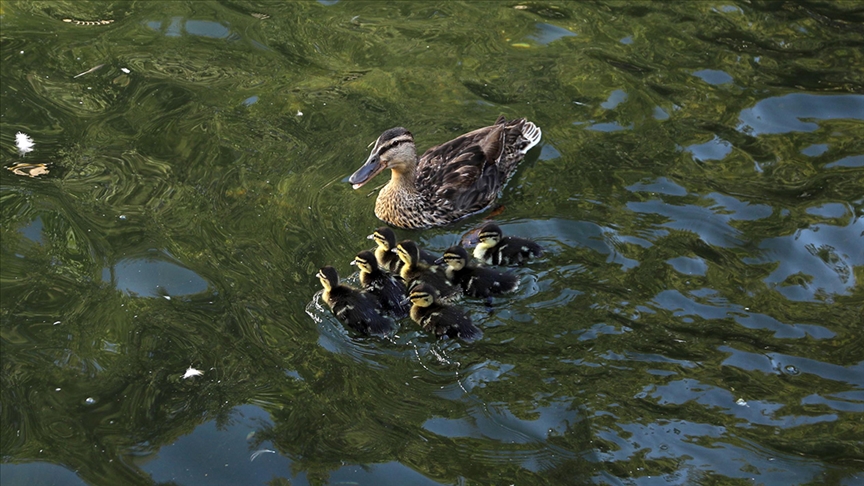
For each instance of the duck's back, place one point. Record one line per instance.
(464, 175)
(358, 310)
(445, 321)
(389, 291)
(485, 282)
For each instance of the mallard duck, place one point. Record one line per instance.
(441, 319)
(415, 272)
(388, 260)
(496, 249)
(356, 309)
(389, 290)
(476, 281)
(450, 181)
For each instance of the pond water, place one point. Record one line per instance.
(699, 190)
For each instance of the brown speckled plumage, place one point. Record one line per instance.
(450, 181)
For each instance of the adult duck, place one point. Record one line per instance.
(449, 181)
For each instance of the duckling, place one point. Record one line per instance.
(441, 319)
(389, 290)
(476, 281)
(356, 309)
(496, 249)
(414, 271)
(449, 181)
(388, 260)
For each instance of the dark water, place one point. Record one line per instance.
(697, 318)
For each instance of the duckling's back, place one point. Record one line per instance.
(358, 310)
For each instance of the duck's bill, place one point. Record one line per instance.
(364, 174)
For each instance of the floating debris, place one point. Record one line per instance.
(190, 372)
(87, 71)
(88, 22)
(29, 170)
(24, 142)
(259, 452)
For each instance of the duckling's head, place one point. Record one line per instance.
(422, 295)
(456, 257)
(490, 235)
(365, 261)
(408, 252)
(328, 277)
(384, 237)
(394, 149)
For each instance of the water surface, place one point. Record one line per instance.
(697, 317)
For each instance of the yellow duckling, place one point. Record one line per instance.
(389, 290)
(441, 319)
(388, 260)
(415, 272)
(354, 308)
(449, 181)
(496, 249)
(476, 281)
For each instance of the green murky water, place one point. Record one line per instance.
(699, 189)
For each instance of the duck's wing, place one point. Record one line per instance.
(464, 171)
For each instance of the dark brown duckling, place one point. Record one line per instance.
(443, 320)
(354, 308)
(415, 272)
(496, 249)
(388, 260)
(389, 290)
(476, 281)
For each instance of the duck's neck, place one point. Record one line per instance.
(402, 180)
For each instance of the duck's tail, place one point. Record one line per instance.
(531, 134)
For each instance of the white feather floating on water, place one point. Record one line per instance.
(190, 372)
(24, 142)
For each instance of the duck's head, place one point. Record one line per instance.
(408, 252)
(455, 257)
(422, 295)
(394, 149)
(328, 277)
(365, 261)
(384, 238)
(490, 235)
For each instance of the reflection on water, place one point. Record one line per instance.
(695, 319)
